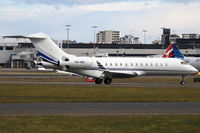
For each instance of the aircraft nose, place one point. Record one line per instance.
(193, 70)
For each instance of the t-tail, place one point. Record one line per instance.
(173, 52)
(47, 49)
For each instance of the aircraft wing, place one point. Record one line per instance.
(119, 74)
(68, 73)
(123, 74)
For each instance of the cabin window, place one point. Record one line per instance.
(126, 64)
(166, 64)
(161, 64)
(136, 64)
(116, 64)
(106, 64)
(110, 64)
(1, 48)
(131, 64)
(146, 64)
(120, 64)
(151, 64)
(141, 64)
(156, 64)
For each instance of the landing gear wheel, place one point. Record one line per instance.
(182, 82)
(98, 81)
(107, 80)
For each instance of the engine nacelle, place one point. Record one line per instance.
(63, 63)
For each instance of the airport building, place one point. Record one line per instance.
(165, 37)
(127, 49)
(189, 39)
(173, 37)
(129, 39)
(17, 53)
(109, 37)
(190, 36)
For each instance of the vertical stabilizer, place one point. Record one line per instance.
(173, 52)
(47, 49)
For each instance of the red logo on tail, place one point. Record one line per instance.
(169, 52)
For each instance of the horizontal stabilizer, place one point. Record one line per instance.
(26, 37)
(18, 36)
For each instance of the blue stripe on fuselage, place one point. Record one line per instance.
(47, 58)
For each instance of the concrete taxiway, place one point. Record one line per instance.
(143, 108)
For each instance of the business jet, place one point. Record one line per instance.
(174, 52)
(106, 68)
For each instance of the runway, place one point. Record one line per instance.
(137, 108)
(113, 84)
(132, 83)
(116, 108)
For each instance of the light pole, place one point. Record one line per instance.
(68, 35)
(162, 28)
(94, 27)
(144, 35)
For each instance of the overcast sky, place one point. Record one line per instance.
(128, 16)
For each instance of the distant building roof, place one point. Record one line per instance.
(12, 41)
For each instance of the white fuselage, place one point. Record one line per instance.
(88, 66)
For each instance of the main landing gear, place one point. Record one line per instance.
(106, 81)
(98, 81)
(182, 80)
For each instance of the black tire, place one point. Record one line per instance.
(107, 80)
(98, 81)
(182, 82)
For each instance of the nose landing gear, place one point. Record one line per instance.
(182, 80)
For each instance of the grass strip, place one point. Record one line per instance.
(100, 124)
(32, 93)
